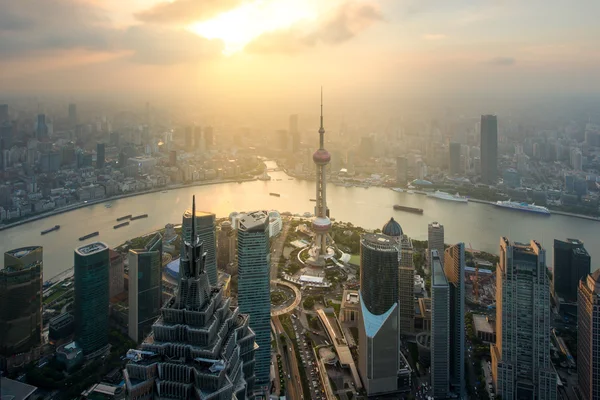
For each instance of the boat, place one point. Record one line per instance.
(313, 199)
(108, 205)
(410, 191)
(275, 194)
(399, 190)
(124, 217)
(122, 224)
(165, 191)
(139, 217)
(54, 228)
(89, 235)
(515, 205)
(398, 207)
(447, 196)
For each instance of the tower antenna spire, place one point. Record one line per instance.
(321, 129)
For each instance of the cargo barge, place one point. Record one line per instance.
(122, 224)
(54, 228)
(89, 235)
(139, 217)
(124, 217)
(398, 207)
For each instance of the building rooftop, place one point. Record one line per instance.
(22, 252)
(199, 214)
(439, 277)
(91, 248)
(15, 390)
(392, 228)
(379, 242)
(482, 324)
(254, 221)
(350, 299)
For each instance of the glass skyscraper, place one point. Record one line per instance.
(145, 287)
(454, 268)
(254, 295)
(206, 231)
(440, 328)
(489, 149)
(572, 263)
(92, 264)
(588, 337)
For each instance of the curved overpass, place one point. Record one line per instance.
(295, 303)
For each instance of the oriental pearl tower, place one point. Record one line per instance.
(321, 224)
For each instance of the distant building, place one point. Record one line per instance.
(401, 171)
(69, 355)
(489, 149)
(145, 292)
(295, 133)
(455, 158)
(350, 307)
(20, 301)
(484, 329)
(41, 130)
(206, 231)
(92, 264)
(226, 245)
(72, 115)
(511, 178)
(3, 112)
(572, 263)
(435, 240)
(275, 223)
(61, 327)
(173, 157)
(116, 274)
(440, 328)
(254, 276)
(588, 337)
(104, 391)
(521, 365)
(15, 390)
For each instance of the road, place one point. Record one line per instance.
(295, 303)
(293, 384)
(277, 248)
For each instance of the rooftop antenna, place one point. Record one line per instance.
(192, 250)
(321, 129)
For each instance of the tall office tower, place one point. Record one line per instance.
(21, 301)
(254, 296)
(378, 338)
(201, 348)
(283, 139)
(6, 133)
(571, 264)
(489, 149)
(455, 158)
(41, 130)
(521, 367)
(199, 143)
(205, 228)
(440, 328)
(72, 115)
(321, 224)
(454, 268)
(189, 137)
(294, 132)
(435, 237)
(100, 155)
(92, 263)
(225, 245)
(145, 292)
(406, 276)
(116, 274)
(588, 337)
(401, 171)
(3, 112)
(209, 137)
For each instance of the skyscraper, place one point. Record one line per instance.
(226, 245)
(254, 295)
(571, 264)
(401, 171)
(321, 223)
(294, 132)
(198, 138)
(41, 130)
(209, 137)
(206, 230)
(521, 367)
(440, 327)
(454, 269)
(379, 343)
(435, 240)
(92, 264)
(455, 158)
(100, 155)
(72, 115)
(116, 274)
(489, 149)
(201, 347)
(21, 301)
(188, 137)
(588, 337)
(3, 112)
(145, 287)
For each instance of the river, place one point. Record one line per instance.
(478, 225)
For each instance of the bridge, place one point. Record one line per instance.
(295, 303)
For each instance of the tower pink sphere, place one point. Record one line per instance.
(321, 225)
(321, 157)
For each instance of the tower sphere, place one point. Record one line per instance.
(321, 157)
(321, 224)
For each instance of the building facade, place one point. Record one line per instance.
(572, 263)
(401, 171)
(378, 336)
(521, 365)
(454, 268)
(206, 231)
(588, 337)
(455, 158)
(145, 287)
(92, 265)
(440, 328)
(489, 149)
(226, 246)
(116, 274)
(254, 295)
(435, 240)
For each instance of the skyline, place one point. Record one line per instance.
(411, 49)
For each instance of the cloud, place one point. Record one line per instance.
(434, 36)
(502, 61)
(186, 11)
(346, 21)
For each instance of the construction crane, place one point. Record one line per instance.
(476, 282)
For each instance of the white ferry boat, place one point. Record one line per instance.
(399, 190)
(514, 205)
(447, 196)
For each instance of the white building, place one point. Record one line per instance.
(275, 223)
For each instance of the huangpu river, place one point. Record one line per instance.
(478, 225)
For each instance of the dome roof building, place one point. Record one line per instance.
(392, 228)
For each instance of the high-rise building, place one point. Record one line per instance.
(145, 287)
(173, 157)
(378, 338)
(41, 130)
(3, 112)
(201, 346)
(406, 276)
(454, 268)
(521, 365)
(254, 296)
(100, 155)
(21, 301)
(294, 132)
(489, 149)
(435, 240)
(440, 328)
(455, 158)
(209, 137)
(401, 171)
(6, 134)
(283, 138)
(572, 263)
(588, 337)
(72, 115)
(92, 264)
(198, 138)
(188, 137)
(116, 274)
(225, 245)
(205, 228)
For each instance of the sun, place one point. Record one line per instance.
(238, 27)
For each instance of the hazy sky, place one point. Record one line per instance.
(251, 48)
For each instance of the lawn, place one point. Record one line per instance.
(355, 259)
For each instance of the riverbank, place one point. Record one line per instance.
(112, 198)
(557, 212)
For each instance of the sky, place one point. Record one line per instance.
(253, 49)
